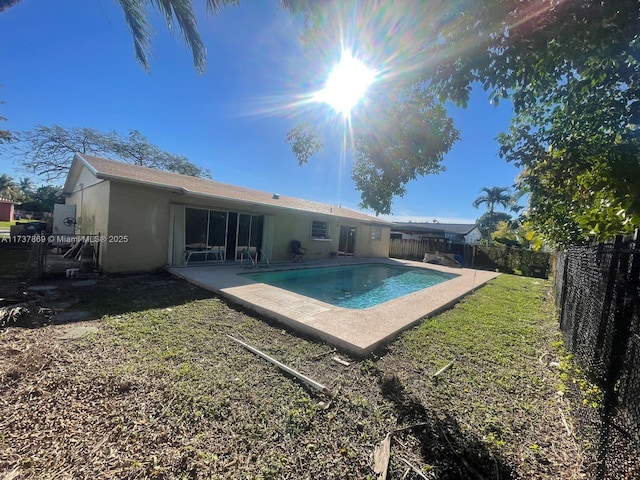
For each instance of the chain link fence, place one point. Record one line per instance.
(597, 290)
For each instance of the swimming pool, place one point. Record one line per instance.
(354, 286)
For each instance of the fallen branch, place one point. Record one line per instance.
(323, 354)
(442, 370)
(410, 427)
(414, 468)
(341, 361)
(564, 422)
(382, 452)
(303, 378)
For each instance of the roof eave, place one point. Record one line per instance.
(184, 192)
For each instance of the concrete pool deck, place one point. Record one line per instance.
(356, 331)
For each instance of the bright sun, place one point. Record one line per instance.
(346, 84)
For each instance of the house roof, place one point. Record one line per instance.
(112, 170)
(458, 228)
(417, 227)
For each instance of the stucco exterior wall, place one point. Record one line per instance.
(92, 208)
(143, 227)
(138, 235)
(284, 226)
(367, 246)
(298, 227)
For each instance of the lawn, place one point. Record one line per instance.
(159, 391)
(5, 225)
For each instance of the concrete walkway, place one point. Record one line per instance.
(358, 332)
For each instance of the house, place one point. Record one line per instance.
(452, 232)
(146, 219)
(7, 210)
(416, 231)
(468, 233)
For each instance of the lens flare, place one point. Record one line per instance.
(346, 85)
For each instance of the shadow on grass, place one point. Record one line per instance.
(14, 261)
(86, 300)
(453, 453)
(115, 295)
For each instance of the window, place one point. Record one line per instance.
(376, 233)
(319, 229)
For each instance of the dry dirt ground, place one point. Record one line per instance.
(150, 386)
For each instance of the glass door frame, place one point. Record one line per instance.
(347, 240)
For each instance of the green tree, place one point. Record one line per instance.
(26, 187)
(492, 196)
(48, 151)
(387, 158)
(43, 199)
(487, 223)
(8, 187)
(505, 234)
(136, 13)
(5, 135)
(570, 69)
(516, 234)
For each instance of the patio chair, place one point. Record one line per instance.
(297, 251)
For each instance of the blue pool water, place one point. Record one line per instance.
(354, 286)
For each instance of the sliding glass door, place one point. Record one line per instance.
(249, 236)
(223, 235)
(205, 233)
(196, 226)
(347, 240)
(217, 238)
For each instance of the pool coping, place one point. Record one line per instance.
(355, 331)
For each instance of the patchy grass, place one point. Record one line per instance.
(161, 392)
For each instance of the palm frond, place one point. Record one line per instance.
(186, 19)
(215, 7)
(7, 4)
(166, 8)
(135, 17)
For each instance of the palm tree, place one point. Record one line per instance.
(8, 187)
(492, 196)
(135, 15)
(26, 187)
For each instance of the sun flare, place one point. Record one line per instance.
(346, 85)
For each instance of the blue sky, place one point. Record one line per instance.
(71, 63)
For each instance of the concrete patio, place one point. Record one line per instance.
(357, 332)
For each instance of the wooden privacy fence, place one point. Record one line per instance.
(505, 259)
(415, 249)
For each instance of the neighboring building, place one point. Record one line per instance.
(7, 210)
(149, 219)
(461, 232)
(416, 231)
(452, 232)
